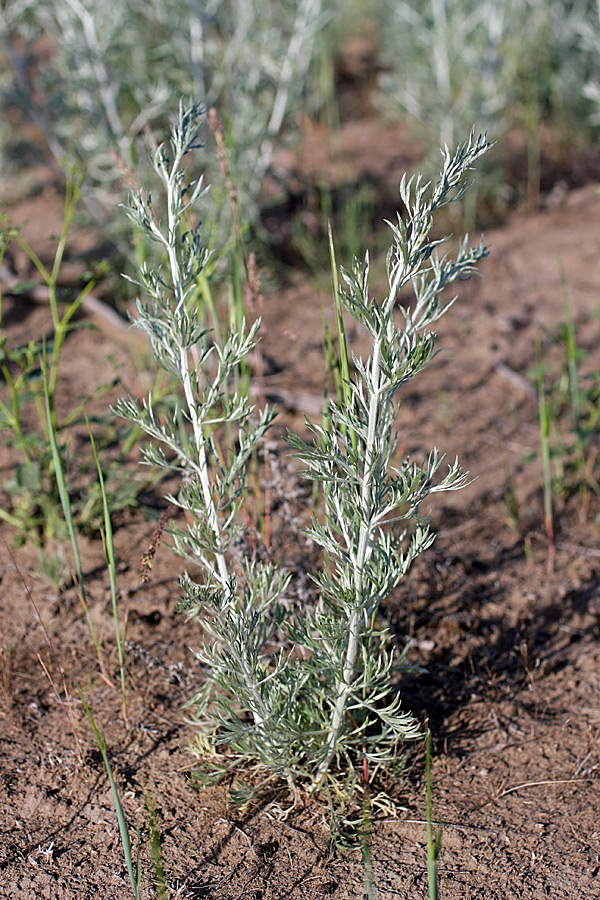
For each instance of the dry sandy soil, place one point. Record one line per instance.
(511, 651)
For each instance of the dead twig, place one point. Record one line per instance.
(530, 784)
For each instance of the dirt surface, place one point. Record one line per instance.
(511, 651)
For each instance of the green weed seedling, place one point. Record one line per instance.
(307, 694)
(134, 869)
(30, 379)
(569, 408)
(434, 843)
(35, 509)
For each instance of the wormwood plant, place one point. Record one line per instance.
(503, 64)
(104, 91)
(308, 693)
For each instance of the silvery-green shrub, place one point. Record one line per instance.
(501, 64)
(100, 88)
(307, 691)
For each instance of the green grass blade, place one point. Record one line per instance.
(65, 502)
(332, 367)
(434, 845)
(109, 551)
(545, 419)
(134, 874)
(209, 303)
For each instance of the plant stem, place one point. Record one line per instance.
(345, 685)
(134, 873)
(171, 179)
(203, 465)
(109, 552)
(433, 844)
(545, 418)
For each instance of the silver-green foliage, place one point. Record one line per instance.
(588, 32)
(308, 692)
(498, 63)
(368, 500)
(104, 87)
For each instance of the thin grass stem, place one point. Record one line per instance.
(65, 501)
(109, 551)
(545, 421)
(434, 844)
(134, 872)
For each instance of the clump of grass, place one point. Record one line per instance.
(306, 694)
(35, 510)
